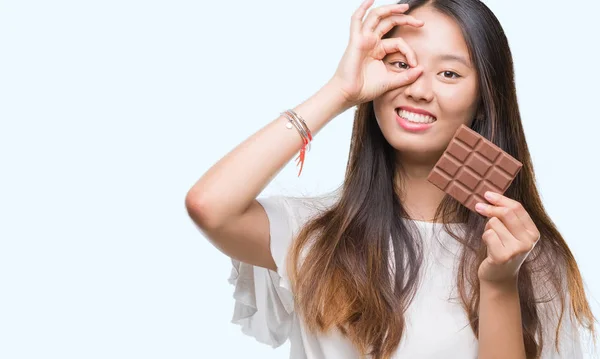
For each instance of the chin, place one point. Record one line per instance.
(418, 150)
(424, 146)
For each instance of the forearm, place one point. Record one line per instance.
(229, 186)
(500, 325)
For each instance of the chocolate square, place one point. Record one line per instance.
(471, 165)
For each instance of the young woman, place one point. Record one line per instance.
(389, 266)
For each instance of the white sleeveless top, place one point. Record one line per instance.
(437, 325)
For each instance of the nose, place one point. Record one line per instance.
(420, 89)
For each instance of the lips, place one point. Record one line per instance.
(415, 117)
(414, 122)
(416, 110)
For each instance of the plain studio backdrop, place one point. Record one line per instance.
(111, 110)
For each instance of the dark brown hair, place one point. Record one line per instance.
(344, 279)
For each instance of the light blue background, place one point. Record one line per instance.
(111, 110)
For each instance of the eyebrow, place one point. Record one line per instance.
(450, 57)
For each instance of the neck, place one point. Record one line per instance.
(419, 197)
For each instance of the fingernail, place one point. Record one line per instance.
(480, 206)
(490, 195)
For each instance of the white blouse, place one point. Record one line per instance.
(437, 326)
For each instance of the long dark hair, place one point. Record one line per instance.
(344, 279)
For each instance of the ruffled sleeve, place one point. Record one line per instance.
(264, 305)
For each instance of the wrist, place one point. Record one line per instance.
(322, 107)
(337, 95)
(499, 288)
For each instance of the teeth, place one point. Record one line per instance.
(414, 117)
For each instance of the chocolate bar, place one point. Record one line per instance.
(472, 165)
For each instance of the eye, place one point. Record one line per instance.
(450, 75)
(402, 64)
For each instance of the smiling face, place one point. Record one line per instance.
(447, 89)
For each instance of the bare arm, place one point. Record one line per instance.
(222, 202)
(500, 326)
(510, 235)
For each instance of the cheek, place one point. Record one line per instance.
(457, 100)
(382, 107)
(377, 109)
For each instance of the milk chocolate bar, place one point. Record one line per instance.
(472, 165)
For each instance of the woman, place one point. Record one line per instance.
(389, 266)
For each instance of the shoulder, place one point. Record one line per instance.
(293, 211)
(287, 216)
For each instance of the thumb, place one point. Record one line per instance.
(405, 77)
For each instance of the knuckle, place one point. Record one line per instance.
(377, 13)
(397, 20)
(529, 246)
(518, 206)
(385, 23)
(526, 247)
(505, 211)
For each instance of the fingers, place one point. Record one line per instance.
(496, 250)
(388, 23)
(513, 215)
(395, 44)
(357, 17)
(376, 15)
(511, 243)
(503, 233)
(508, 217)
(503, 201)
(399, 79)
(404, 78)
